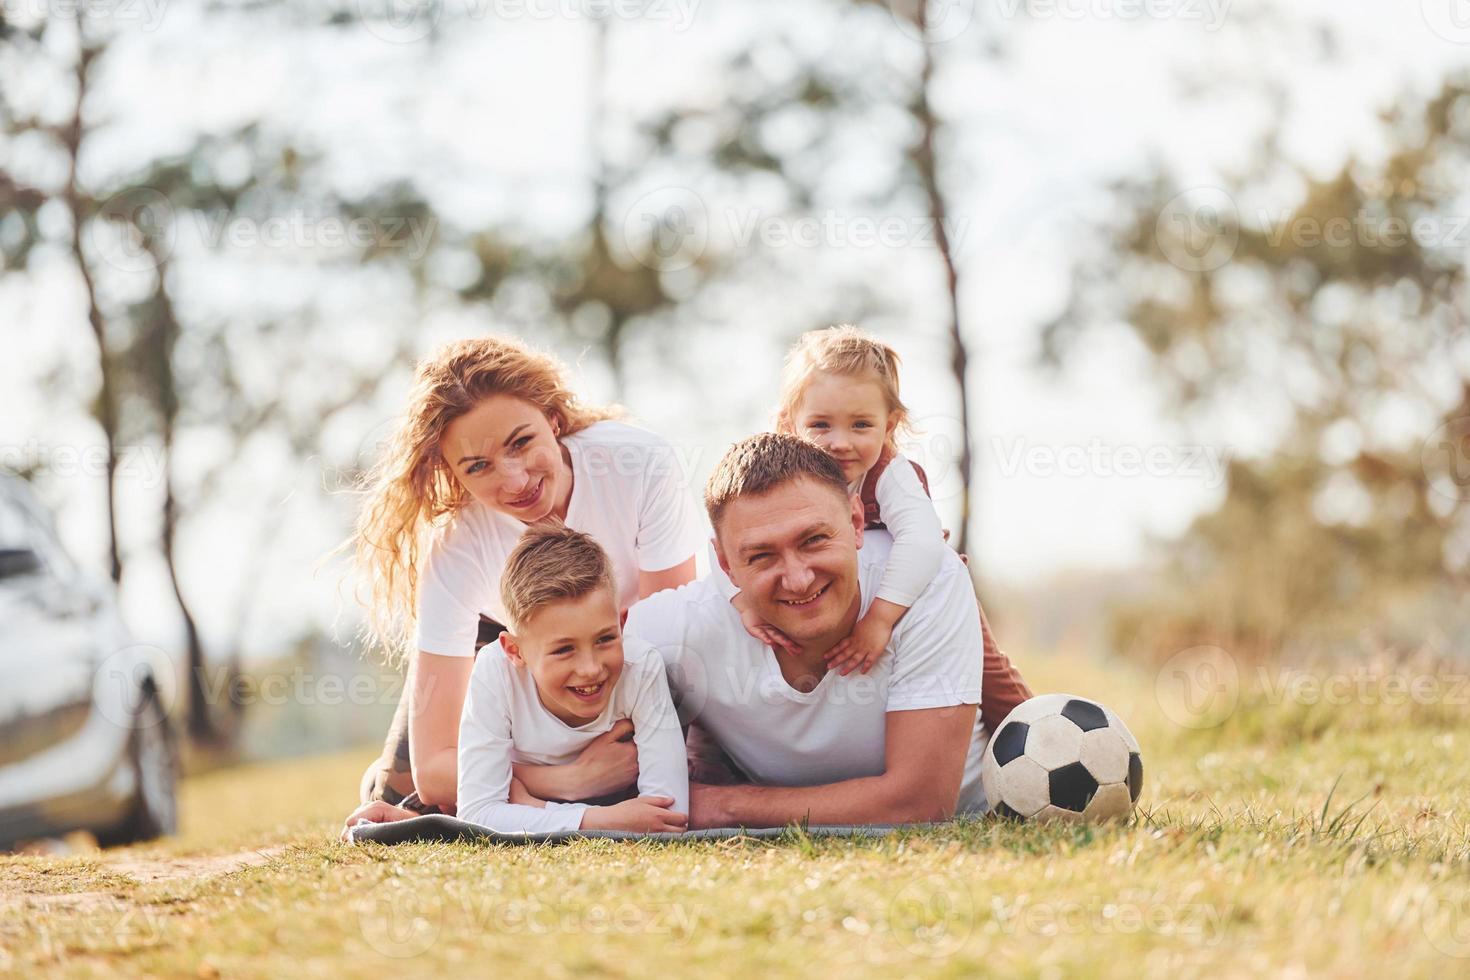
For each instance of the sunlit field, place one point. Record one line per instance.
(1274, 837)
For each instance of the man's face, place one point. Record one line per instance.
(793, 552)
(574, 651)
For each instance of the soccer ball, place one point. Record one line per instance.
(1062, 757)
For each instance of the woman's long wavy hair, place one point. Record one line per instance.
(411, 490)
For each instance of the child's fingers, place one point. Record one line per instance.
(621, 729)
(838, 652)
(661, 801)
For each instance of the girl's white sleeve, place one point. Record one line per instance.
(918, 538)
(485, 764)
(663, 769)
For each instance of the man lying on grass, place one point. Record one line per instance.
(899, 744)
(559, 678)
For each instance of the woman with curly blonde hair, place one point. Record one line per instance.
(492, 442)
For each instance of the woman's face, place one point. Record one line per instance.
(505, 452)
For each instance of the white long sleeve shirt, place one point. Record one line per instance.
(504, 722)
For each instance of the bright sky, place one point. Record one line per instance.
(1076, 471)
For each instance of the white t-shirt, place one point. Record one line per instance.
(918, 537)
(731, 683)
(504, 722)
(628, 492)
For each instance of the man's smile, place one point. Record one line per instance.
(806, 600)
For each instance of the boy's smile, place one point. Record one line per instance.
(574, 651)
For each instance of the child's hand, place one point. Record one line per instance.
(375, 811)
(644, 815)
(861, 650)
(521, 796)
(767, 633)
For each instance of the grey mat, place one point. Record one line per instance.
(439, 828)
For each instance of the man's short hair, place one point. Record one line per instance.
(552, 563)
(763, 462)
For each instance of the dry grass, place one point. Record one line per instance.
(1274, 842)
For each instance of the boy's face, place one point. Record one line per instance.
(574, 651)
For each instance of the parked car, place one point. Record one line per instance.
(86, 737)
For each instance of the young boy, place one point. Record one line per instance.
(559, 677)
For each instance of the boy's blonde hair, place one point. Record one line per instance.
(551, 563)
(411, 488)
(845, 350)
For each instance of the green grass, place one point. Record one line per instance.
(1279, 842)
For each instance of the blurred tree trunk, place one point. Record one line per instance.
(925, 157)
(79, 205)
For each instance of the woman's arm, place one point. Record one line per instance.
(437, 686)
(669, 578)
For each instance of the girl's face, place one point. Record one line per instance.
(505, 452)
(848, 416)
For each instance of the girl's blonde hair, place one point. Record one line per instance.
(411, 488)
(845, 350)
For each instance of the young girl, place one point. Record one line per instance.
(840, 390)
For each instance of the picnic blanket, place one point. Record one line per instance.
(440, 828)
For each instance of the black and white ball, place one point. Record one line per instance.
(1062, 757)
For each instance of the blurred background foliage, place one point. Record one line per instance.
(1348, 359)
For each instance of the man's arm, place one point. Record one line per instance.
(924, 764)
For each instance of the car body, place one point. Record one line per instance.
(86, 737)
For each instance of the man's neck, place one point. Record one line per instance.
(804, 671)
